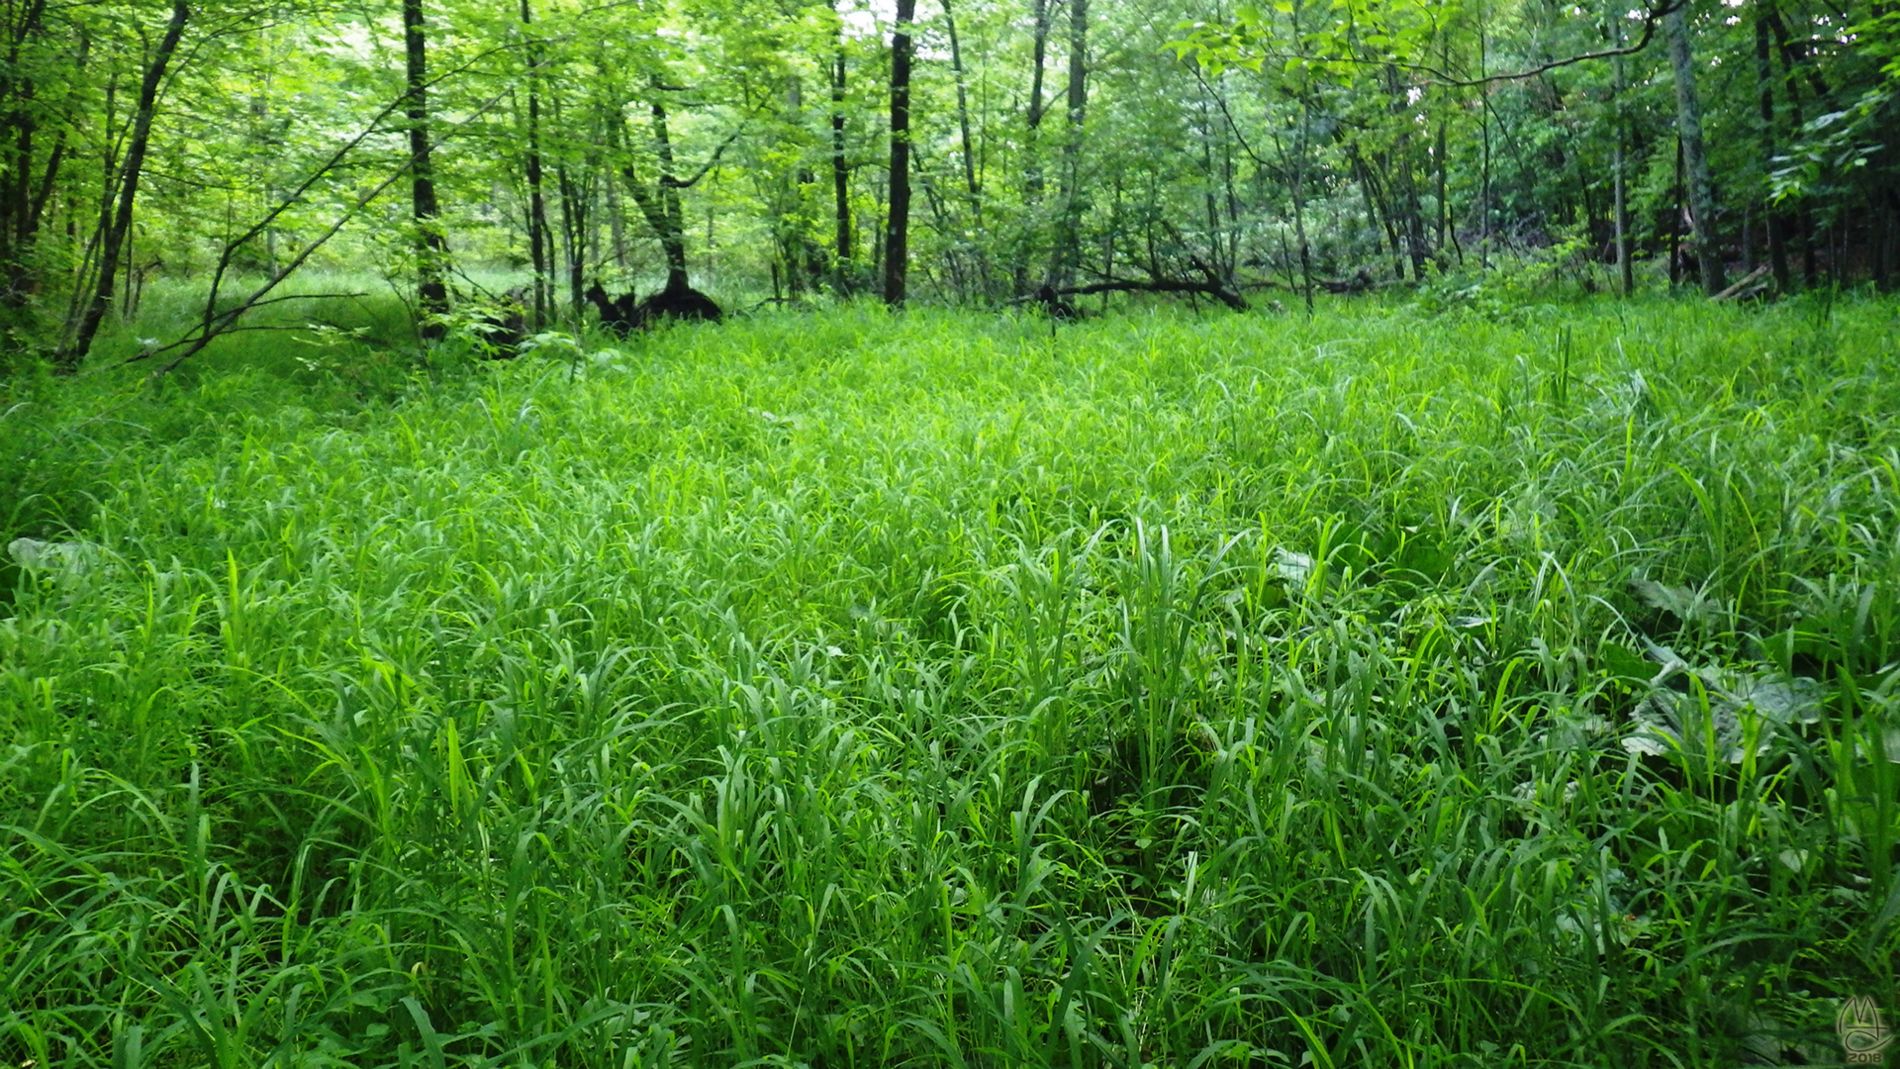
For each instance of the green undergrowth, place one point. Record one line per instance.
(847, 689)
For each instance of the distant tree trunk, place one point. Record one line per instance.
(1804, 216)
(1484, 161)
(789, 231)
(1032, 121)
(671, 227)
(1068, 229)
(17, 216)
(1441, 155)
(1694, 154)
(1377, 213)
(897, 232)
(1625, 270)
(840, 169)
(973, 186)
(537, 199)
(573, 236)
(659, 204)
(1765, 88)
(1299, 229)
(1406, 191)
(616, 224)
(112, 241)
(1675, 223)
(432, 248)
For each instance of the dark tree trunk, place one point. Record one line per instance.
(1484, 158)
(1804, 216)
(432, 291)
(537, 199)
(17, 215)
(970, 182)
(897, 233)
(840, 170)
(1377, 211)
(671, 226)
(112, 241)
(1771, 216)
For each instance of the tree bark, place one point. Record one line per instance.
(112, 242)
(537, 198)
(1068, 229)
(1032, 155)
(840, 170)
(16, 206)
(671, 225)
(1771, 216)
(972, 183)
(1675, 223)
(1804, 216)
(897, 232)
(1694, 154)
(432, 248)
(1625, 270)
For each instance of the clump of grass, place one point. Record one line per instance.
(1370, 689)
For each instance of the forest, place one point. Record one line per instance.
(953, 533)
(975, 153)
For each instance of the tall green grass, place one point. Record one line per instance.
(1375, 689)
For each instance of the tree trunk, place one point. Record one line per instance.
(573, 236)
(1625, 270)
(1694, 155)
(112, 242)
(671, 226)
(1675, 224)
(537, 199)
(897, 233)
(1804, 215)
(1068, 230)
(1771, 215)
(1407, 192)
(1443, 222)
(432, 248)
(972, 184)
(1484, 161)
(16, 207)
(1032, 156)
(1377, 213)
(1296, 189)
(840, 169)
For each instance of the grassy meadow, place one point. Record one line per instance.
(844, 689)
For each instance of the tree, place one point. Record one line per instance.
(1695, 156)
(897, 227)
(431, 245)
(114, 230)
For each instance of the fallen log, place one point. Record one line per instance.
(1748, 285)
(1358, 283)
(1161, 285)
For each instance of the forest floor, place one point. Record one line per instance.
(1380, 688)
